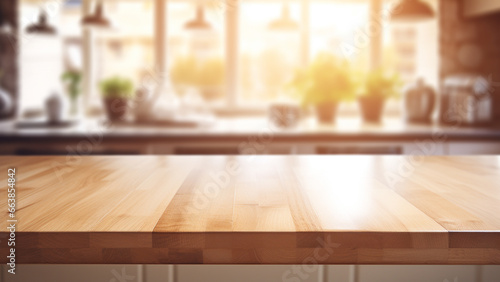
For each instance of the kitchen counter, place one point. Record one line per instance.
(231, 136)
(254, 209)
(238, 129)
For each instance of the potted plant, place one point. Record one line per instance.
(72, 80)
(379, 86)
(325, 83)
(116, 92)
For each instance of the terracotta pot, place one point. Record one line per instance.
(116, 108)
(326, 112)
(371, 108)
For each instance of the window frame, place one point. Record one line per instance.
(232, 103)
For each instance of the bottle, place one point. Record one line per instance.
(6, 103)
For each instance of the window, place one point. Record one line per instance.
(337, 28)
(125, 50)
(412, 50)
(128, 48)
(271, 39)
(40, 54)
(195, 49)
(270, 35)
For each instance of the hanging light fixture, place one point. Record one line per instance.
(285, 22)
(411, 11)
(42, 26)
(198, 23)
(98, 18)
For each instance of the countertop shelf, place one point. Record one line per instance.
(238, 130)
(255, 209)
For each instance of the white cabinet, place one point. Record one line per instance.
(418, 273)
(252, 273)
(489, 273)
(73, 273)
(247, 273)
(339, 273)
(474, 148)
(425, 147)
(158, 273)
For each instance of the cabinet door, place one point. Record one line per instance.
(158, 273)
(340, 273)
(477, 148)
(419, 273)
(73, 273)
(426, 147)
(247, 273)
(489, 273)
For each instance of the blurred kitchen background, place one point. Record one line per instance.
(86, 77)
(248, 76)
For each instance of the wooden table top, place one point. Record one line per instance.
(254, 209)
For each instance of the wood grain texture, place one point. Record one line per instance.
(255, 209)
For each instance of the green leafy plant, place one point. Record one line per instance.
(72, 79)
(379, 83)
(117, 87)
(326, 80)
